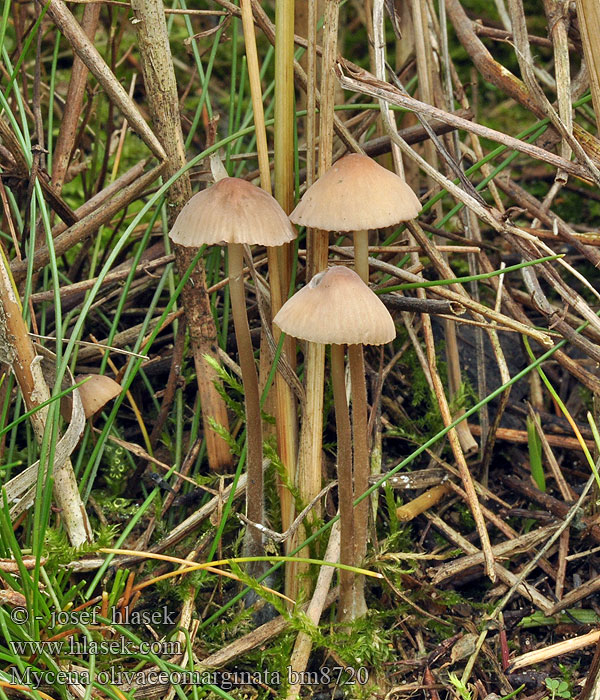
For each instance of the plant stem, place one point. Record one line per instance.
(345, 489)
(284, 119)
(254, 486)
(161, 90)
(311, 440)
(285, 406)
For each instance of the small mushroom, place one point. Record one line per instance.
(96, 392)
(235, 212)
(357, 194)
(337, 307)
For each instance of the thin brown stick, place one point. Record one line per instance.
(89, 224)
(161, 88)
(465, 474)
(73, 103)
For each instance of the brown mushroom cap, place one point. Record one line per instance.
(336, 306)
(355, 194)
(96, 392)
(232, 211)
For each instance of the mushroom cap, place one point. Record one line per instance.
(232, 211)
(96, 392)
(336, 306)
(355, 194)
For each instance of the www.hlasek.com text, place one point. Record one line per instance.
(79, 646)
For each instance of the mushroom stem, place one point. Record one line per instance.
(345, 490)
(361, 255)
(360, 439)
(254, 486)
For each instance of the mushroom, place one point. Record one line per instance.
(235, 212)
(356, 194)
(97, 391)
(337, 307)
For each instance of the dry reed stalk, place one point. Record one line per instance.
(354, 78)
(311, 157)
(557, 20)
(588, 14)
(284, 154)
(263, 21)
(553, 650)
(502, 78)
(421, 503)
(278, 270)
(310, 447)
(520, 437)
(303, 644)
(523, 53)
(161, 90)
(17, 350)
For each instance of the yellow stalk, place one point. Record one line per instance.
(285, 405)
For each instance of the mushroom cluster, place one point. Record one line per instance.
(336, 308)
